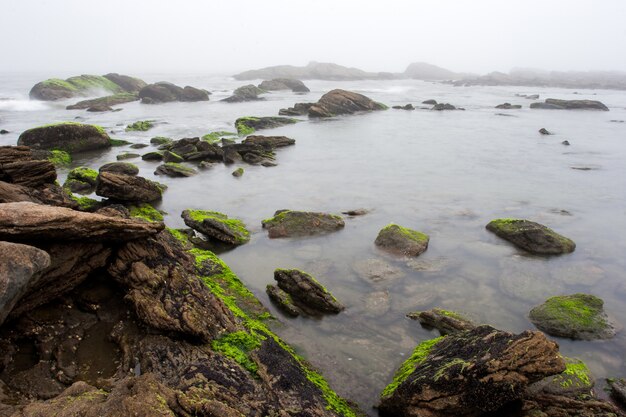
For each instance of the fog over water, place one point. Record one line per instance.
(158, 35)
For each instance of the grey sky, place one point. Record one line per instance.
(385, 35)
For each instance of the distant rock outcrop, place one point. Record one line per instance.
(425, 71)
(337, 102)
(312, 71)
(245, 93)
(85, 85)
(164, 92)
(277, 84)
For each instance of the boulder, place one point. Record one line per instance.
(20, 269)
(508, 106)
(245, 93)
(83, 85)
(160, 140)
(291, 223)
(532, 237)
(299, 109)
(556, 104)
(445, 321)
(248, 125)
(337, 102)
(469, 373)
(127, 188)
(172, 157)
(164, 92)
(172, 169)
(50, 194)
(105, 102)
(307, 294)
(27, 221)
(125, 168)
(576, 316)
(277, 84)
(28, 173)
(401, 240)
(217, 226)
(128, 84)
(545, 131)
(269, 142)
(238, 172)
(67, 136)
(430, 101)
(152, 156)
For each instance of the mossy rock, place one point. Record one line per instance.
(238, 172)
(217, 226)
(140, 126)
(307, 294)
(169, 156)
(81, 180)
(160, 140)
(67, 136)
(576, 316)
(59, 158)
(445, 321)
(292, 223)
(152, 156)
(575, 380)
(125, 168)
(146, 212)
(173, 169)
(401, 240)
(282, 300)
(248, 125)
(82, 85)
(127, 155)
(532, 237)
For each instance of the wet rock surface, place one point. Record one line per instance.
(123, 187)
(125, 168)
(292, 223)
(248, 125)
(445, 321)
(308, 295)
(556, 104)
(401, 240)
(532, 237)
(69, 137)
(217, 226)
(338, 102)
(165, 92)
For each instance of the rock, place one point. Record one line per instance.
(160, 140)
(104, 102)
(447, 322)
(444, 106)
(545, 131)
(138, 146)
(128, 84)
(28, 172)
(356, 212)
(277, 84)
(217, 226)
(99, 109)
(164, 92)
(532, 237)
(238, 172)
(127, 188)
(308, 294)
(4, 132)
(401, 240)
(81, 180)
(282, 300)
(469, 373)
(152, 156)
(565, 142)
(618, 389)
(528, 96)
(245, 93)
(69, 137)
(269, 142)
(508, 106)
(431, 102)
(291, 223)
(299, 109)
(313, 70)
(248, 125)
(405, 107)
(576, 380)
(140, 126)
(127, 155)
(20, 269)
(172, 169)
(337, 102)
(552, 103)
(172, 157)
(576, 316)
(83, 85)
(377, 271)
(29, 221)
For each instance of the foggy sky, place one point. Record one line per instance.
(216, 36)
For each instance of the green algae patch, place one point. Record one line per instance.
(577, 316)
(406, 232)
(242, 125)
(59, 83)
(140, 126)
(215, 137)
(94, 82)
(84, 174)
(576, 374)
(147, 212)
(60, 158)
(119, 142)
(419, 355)
(237, 346)
(218, 225)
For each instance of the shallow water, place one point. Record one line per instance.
(446, 174)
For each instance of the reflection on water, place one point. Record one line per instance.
(446, 174)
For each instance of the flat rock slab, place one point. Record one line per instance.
(556, 104)
(377, 271)
(127, 188)
(269, 142)
(532, 237)
(577, 316)
(29, 221)
(401, 240)
(308, 294)
(291, 223)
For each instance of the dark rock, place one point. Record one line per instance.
(269, 142)
(528, 96)
(577, 316)
(127, 188)
(565, 142)
(405, 107)
(445, 321)
(508, 106)
(356, 212)
(20, 269)
(104, 102)
(127, 155)
(277, 84)
(83, 85)
(4, 132)
(69, 137)
(299, 109)
(431, 101)
(50, 194)
(444, 106)
(308, 294)
(152, 156)
(575, 381)
(401, 240)
(128, 84)
(163, 92)
(28, 173)
(552, 103)
(125, 168)
(138, 146)
(532, 237)
(545, 131)
(470, 373)
(337, 102)
(217, 226)
(172, 157)
(247, 125)
(172, 169)
(290, 223)
(245, 93)
(238, 172)
(282, 300)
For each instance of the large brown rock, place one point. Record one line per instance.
(292, 223)
(29, 221)
(127, 188)
(401, 240)
(69, 137)
(21, 267)
(51, 194)
(339, 101)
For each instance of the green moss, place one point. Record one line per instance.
(94, 82)
(237, 227)
(119, 142)
(382, 106)
(140, 126)
(160, 140)
(147, 212)
(60, 158)
(242, 128)
(449, 313)
(215, 137)
(238, 346)
(420, 354)
(576, 375)
(238, 172)
(582, 310)
(85, 203)
(178, 235)
(408, 233)
(58, 83)
(84, 174)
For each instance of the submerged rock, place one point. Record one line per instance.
(291, 223)
(337, 102)
(238, 172)
(217, 226)
(430, 101)
(577, 316)
(445, 106)
(277, 84)
(556, 104)
(152, 156)
(532, 237)
(576, 380)
(69, 137)
(356, 212)
(405, 107)
(248, 125)
(401, 240)
(164, 92)
(508, 106)
(127, 188)
(377, 271)
(469, 373)
(445, 321)
(307, 294)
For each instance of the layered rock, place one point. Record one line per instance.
(401, 240)
(164, 92)
(104, 102)
(338, 102)
(532, 237)
(217, 226)
(69, 137)
(269, 142)
(127, 188)
(556, 104)
(292, 223)
(278, 84)
(299, 109)
(307, 294)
